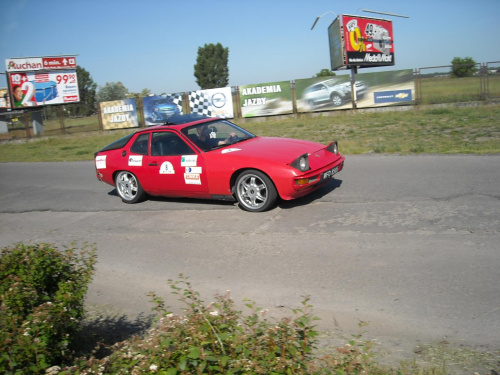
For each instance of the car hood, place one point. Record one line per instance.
(283, 150)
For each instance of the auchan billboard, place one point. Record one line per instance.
(36, 81)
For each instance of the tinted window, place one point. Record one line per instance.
(169, 144)
(140, 145)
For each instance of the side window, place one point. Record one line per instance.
(140, 145)
(169, 144)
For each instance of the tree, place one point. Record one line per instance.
(142, 94)
(87, 89)
(112, 91)
(325, 73)
(463, 67)
(211, 70)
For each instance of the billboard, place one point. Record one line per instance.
(39, 81)
(360, 42)
(337, 50)
(40, 63)
(43, 88)
(372, 90)
(266, 99)
(158, 108)
(119, 114)
(4, 99)
(369, 42)
(212, 102)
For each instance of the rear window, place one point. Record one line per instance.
(118, 144)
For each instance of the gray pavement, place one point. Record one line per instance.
(409, 244)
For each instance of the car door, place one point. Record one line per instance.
(174, 168)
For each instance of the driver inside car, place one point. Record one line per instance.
(205, 136)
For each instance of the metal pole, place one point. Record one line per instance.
(354, 70)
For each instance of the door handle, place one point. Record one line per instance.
(153, 164)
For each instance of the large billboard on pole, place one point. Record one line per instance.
(360, 42)
(39, 81)
(368, 41)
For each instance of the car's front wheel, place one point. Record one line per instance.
(255, 191)
(129, 188)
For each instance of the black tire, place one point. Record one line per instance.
(128, 187)
(255, 191)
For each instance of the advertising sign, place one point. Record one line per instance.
(388, 88)
(212, 102)
(4, 99)
(337, 51)
(157, 109)
(372, 90)
(325, 93)
(40, 63)
(369, 42)
(266, 99)
(35, 81)
(43, 88)
(119, 114)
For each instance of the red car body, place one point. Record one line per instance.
(237, 165)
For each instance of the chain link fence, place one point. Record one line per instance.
(436, 85)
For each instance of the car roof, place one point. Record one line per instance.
(178, 121)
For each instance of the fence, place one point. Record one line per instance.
(435, 85)
(432, 85)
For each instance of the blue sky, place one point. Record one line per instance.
(153, 44)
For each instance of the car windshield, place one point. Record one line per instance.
(209, 136)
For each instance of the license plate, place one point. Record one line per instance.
(329, 174)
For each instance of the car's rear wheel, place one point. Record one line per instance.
(129, 188)
(255, 191)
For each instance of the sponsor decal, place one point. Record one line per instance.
(167, 168)
(192, 178)
(189, 160)
(193, 169)
(135, 160)
(100, 162)
(227, 150)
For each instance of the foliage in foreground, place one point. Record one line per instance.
(217, 339)
(42, 291)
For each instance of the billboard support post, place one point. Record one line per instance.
(354, 71)
(37, 120)
(61, 119)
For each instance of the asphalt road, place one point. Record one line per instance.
(409, 244)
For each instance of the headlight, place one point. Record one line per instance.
(301, 163)
(333, 147)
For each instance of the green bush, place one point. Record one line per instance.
(217, 339)
(42, 291)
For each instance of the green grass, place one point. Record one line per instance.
(436, 130)
(450, 90)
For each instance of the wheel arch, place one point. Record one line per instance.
(237, 172)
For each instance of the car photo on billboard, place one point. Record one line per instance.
(332, 91)
(159, 109)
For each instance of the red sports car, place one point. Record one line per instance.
(200, 157)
